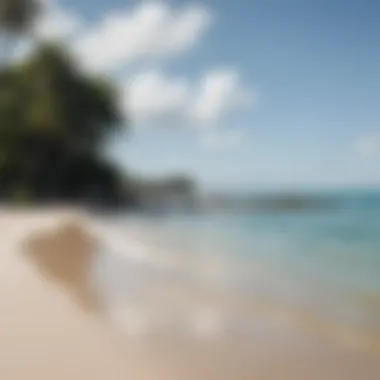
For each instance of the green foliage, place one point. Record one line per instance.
(20, 196)
(65, 103)
(54, 120)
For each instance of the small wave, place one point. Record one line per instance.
(149, 288)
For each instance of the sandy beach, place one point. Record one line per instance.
(53, 324)
(43, 335)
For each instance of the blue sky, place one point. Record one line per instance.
(240, 94)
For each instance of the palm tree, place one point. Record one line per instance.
(52, 115)
(62, 102)
(53, 118)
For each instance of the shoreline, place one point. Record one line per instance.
(305, 321)
(50, 320)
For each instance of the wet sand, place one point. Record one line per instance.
(53, 324)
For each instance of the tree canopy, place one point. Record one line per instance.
(54, 121)
(63, 103)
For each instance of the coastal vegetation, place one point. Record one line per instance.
(54, 122)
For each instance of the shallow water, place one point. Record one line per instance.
(319, 270)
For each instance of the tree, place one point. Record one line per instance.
(61, 102)
(55, 120)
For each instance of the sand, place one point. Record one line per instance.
(43, 335)
(52, 324)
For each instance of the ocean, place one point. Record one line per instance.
(318, 269)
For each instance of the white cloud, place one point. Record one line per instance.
(57, 22)
(368, 146)
(148, 31)
(152, 96)
(219, 92)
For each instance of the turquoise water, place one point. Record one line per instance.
(325, 263)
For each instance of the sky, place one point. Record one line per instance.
(239, 94)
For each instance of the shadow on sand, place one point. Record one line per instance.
(65, 257)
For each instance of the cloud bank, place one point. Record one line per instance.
(154, 32)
